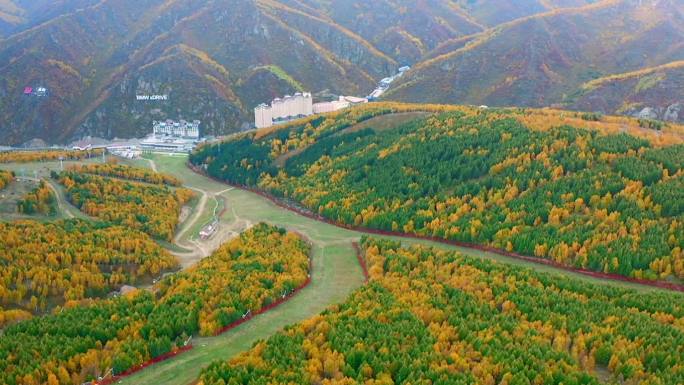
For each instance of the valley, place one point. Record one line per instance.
(336, 271)
(191, 194)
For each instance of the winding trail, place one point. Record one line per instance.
(153, 165)
(204, 248)
(62, 204)
(188, 259)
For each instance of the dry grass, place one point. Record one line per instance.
(596, 83)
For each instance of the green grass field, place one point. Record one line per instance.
(335, 275)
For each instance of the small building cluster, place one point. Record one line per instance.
(209, 230)
(123, 150)
(335, 105)
(301, 104)
(37, 91)
(386, 82)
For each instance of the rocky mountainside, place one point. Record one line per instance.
(650, 93)
(548, 58)
(215, 60)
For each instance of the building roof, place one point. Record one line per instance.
(353, 99)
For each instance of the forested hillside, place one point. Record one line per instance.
(44, 265)
(152, 208)
(575, 188)
(217, 60)
(435, 317)
(81, 343)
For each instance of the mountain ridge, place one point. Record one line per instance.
(539, 60)
(96, 56)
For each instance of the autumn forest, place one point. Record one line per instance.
(104, 277)
(561, 186)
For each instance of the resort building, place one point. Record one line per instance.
(336, 105)
(173, 136)
(282, 110)
(298, 106)
(176, 129)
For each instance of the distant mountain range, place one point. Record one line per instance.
(215, 60)
(555, 57)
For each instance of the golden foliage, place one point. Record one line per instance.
(52, 263)
(47, 155)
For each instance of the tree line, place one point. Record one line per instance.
(6, 178)
(116, 170)
(47, 155)
(40, 200)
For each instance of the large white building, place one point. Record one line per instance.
(173, 136)
(298, 106)
(172, 128)
(282, 110)
(263, 116)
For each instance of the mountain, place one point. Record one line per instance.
(404, 29)
(215, 60)
(494, 12)
(545, 59)
(206, 56)
(652, 93)
(20, 15)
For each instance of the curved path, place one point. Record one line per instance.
(63, 205)
(60, 200)
(336, 273)
(199, 252)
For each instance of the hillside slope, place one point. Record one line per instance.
(433, 317)
(216, 60)
(403, 29)
(493, 12)
(584, 191)
(20, 15)
(542, 59)
(95, 62)
(652, 93)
